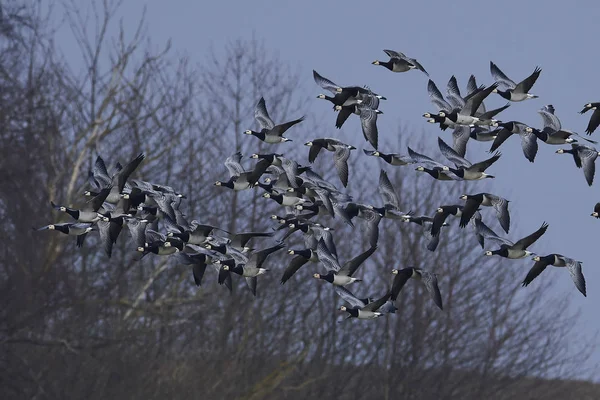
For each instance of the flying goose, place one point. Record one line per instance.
(344, 96)
(370, 218)
(159, 247)
(89, 212)
(473, 202)
(455, 98)
(360, 308)
(368, 121)
(585, 157)
(79, 229)
(394, 159)
(240, 179)
(528, 139)
(514, 91)
(428, 279)
(287, 199)
(119, 180)
(269, 132)
(368, 100)
(336, 274)
(518, 249)
(341, 153)
(398, 62)
(466, 114)
(426, 222)
(433, 168)
(594, 119)
(557, 260)
(552, 132)
(249, 270)
(464, 168)
(195, 233)
(596, 213)
(198, 261)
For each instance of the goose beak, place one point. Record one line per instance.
(376, 62)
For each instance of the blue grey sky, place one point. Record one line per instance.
(340, 39)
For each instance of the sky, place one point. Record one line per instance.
(341, 39)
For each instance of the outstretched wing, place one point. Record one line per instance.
(348, 297)
(452, 155)
(501, 78)
(386, 190)
(262, 116)
(325, 83)
(527, 241)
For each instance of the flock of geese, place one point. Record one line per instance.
(151, 212)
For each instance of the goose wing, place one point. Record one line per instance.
(368, 122)
(329, 261)
(469, 209)
(262, 115)
(375, 305)
(485, 164)
(431, 284)
(293, 267)
(526, 84)
(574, 268)
(452, 155)
(340, 160)
(453, 94)
(529, 145)
(501, 78)
(423, 159)
(387, 192)
(537, 269)
(350, 267)
(501, 135)
(437, 98)
(500, 204)
(460, 138)
(550, 120)
(588, 157)
(400, 280)
(349, 297)
(325, 83)
(594, 122)
(527, 241)
(123, 174)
